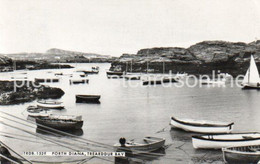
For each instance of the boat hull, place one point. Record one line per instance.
(47, 80)
(158, 82)
(87, 98)
(50, 105)
(61, 125)
(241, 157)
(209, 141)
(115, 74)
(248, 87)
(142, 148)
(209, 129)
(81, 81)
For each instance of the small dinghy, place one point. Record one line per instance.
(34, 111)
(47, 79)
(79, 78)
(242, 154)
(202, 126)
(160, 80)
(219, 141)
(87, 98)
(115, 74)
(132, 76)
(48, 104)
(147, 144)
(62, 122)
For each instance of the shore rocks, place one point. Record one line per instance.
(201, 58)
(16, 92)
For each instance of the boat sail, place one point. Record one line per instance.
(251, 79)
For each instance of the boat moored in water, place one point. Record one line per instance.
(251, 79)
(78, 78)
(49, 104)
(160, 80)
(62, 122)
(115, 74)
(218, 141)
(146, 144)
(201, 126)
(88, 98)
(34, 111)
(242, 154)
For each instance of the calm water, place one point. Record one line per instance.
(135, 112)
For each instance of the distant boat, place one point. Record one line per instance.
(88, 98)
(61, 122)
(213, 82)
(219, 141)
(114, 74)
(132, 76)
(181, 75)
(78, 78)
(160, 80)
(242, 154)
(94, 70)
(47, 80)
(251, 79)
(202, 126)
(147, 144)
(48, 104)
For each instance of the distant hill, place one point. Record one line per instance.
(59, 55)
(200, 58)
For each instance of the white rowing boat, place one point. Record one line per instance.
(202, 126)
(147, 144)
(48, 104)
(219, 141)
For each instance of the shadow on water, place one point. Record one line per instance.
(45, 131)
(197, 155)
(132, 158)
(181, 135)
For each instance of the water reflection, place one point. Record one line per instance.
(132, 158)
(45, 131)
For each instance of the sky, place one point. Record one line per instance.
(114, 27)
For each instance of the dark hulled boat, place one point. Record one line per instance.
(88, 98)
(242, 154)
(60, 122)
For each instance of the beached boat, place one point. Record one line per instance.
(87, 98)
(201, 126)
(242, 155)
(62, 122)
(147, 144)
(251, 79)
(219, 141)
(49, 104)
(34, 111)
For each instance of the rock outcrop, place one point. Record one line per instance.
(200, 58)
(16, 92)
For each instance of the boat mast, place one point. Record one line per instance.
(131, 65)
(147, 66)
(163, 67)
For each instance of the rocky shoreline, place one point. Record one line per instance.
(29, 91)
(201, 58)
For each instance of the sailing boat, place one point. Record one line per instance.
(251, 79)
